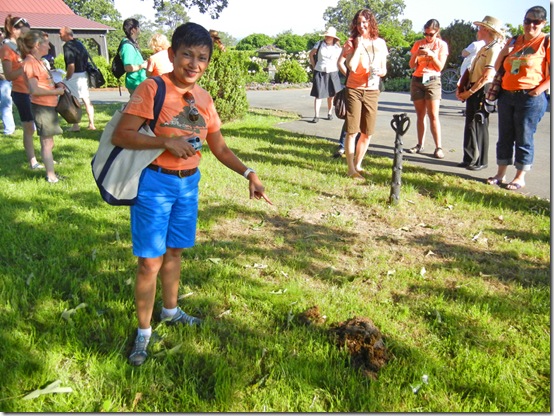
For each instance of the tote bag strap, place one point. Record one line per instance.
(159, 99)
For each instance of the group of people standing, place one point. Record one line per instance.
(28, 83)
(522, 102)
(523, 62)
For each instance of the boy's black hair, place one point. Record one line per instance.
(191, 34)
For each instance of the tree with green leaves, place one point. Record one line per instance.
(102, 11)
(171, 16)
(290, 42)
(211, 7)
(396, 32)
(458, 35)
(254, 41)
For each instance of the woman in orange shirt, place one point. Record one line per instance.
(428, 57)
(16, 27)
(159, 62)
(522, 101)
(44, 95)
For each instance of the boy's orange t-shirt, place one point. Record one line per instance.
(526, 65)
(34, 68)
(173, 119)
(8, 54)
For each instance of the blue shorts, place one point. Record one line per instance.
(23, 103)
(165, 213)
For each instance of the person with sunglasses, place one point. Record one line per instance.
(522, 101)
(16, 27)
(428, 56)
(163, 220)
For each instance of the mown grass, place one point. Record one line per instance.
(456, 277)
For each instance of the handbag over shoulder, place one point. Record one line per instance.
(117, 170)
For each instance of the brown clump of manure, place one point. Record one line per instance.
(311, 316)
(364, 342)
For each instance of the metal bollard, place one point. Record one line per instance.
(400, 123)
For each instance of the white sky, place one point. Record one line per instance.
(271, 17)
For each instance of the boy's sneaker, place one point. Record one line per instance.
(181, 318)
(138, 355)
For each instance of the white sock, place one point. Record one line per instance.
(169, 312)
(146, 333)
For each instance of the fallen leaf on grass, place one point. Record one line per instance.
(169, 352)
(138, 396)
(476, 236)
(256, 227)
(214, 260)
(278, 292)
(67, 313)
(227, 312)
(50, 389)
(422, 272)
(429, 253)
(186, 295)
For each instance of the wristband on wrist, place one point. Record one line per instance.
(247, 172)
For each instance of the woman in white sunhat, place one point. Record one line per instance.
(481, 72)
(326, 83)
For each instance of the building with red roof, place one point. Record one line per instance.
(50, 16)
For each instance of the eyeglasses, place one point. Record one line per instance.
(193, 114)
(429, 35)
(22, 21)
(536, 22)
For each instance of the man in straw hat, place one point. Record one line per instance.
(326, 83)
(472, 90)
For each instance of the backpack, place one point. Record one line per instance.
(117, 170)
(118, 68)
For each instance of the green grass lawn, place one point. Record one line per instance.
(456, 277)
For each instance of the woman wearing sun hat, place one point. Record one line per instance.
(326, 83)
(522, 101)
(480, 74)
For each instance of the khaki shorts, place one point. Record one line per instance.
(430, 91)
(46, 120)
(361, 113)
(78, 85)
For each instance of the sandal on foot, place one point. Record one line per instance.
(495, 181)
(37, 166)
(355, 175)
(439, 154)
(514, 186)
(416, 149)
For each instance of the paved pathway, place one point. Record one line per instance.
(452, 122)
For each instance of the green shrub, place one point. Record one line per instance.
(225, 80)
(292, 72)
(398, 84)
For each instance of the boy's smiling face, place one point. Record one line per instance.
(189, 63)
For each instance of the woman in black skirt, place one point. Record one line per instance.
(326, 82)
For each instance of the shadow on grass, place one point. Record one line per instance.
(75, 257)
